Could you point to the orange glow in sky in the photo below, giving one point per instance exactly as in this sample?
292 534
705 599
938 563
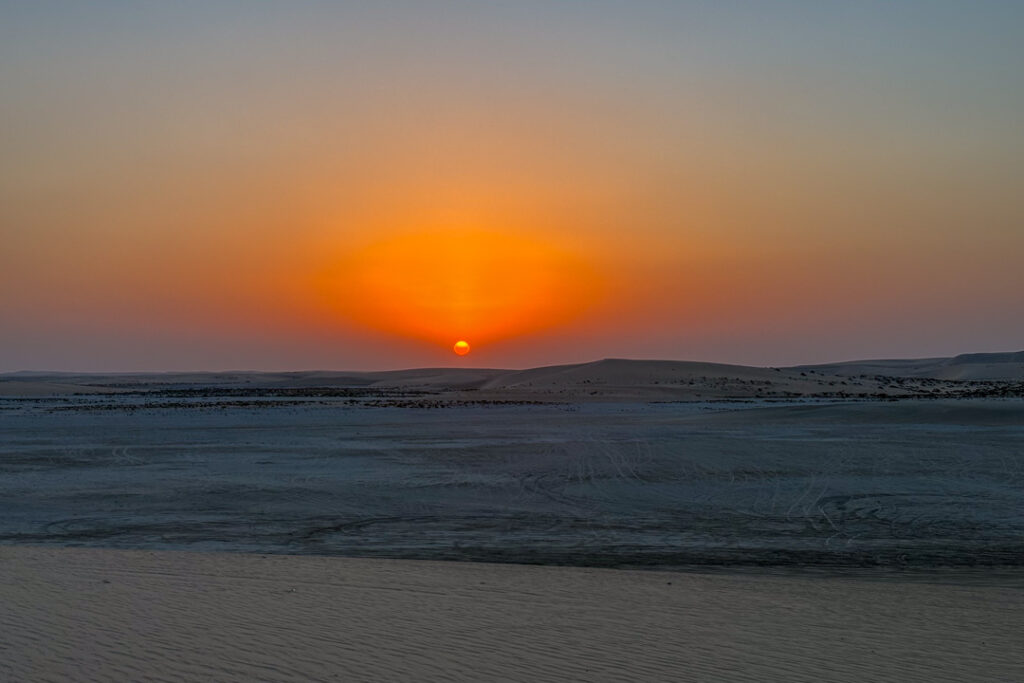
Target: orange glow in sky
354 186
463 283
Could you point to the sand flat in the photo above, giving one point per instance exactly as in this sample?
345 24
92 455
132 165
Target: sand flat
14 388
913 483
96 614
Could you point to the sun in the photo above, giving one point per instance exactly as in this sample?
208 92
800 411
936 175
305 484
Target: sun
462 281
461 347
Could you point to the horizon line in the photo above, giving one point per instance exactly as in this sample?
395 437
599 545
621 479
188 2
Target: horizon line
128 373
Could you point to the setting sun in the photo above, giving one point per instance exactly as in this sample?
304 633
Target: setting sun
490 284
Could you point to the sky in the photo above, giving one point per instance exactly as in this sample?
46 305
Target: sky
205 185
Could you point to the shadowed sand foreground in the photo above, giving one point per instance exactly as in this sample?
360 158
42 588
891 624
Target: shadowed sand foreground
88 614
915 483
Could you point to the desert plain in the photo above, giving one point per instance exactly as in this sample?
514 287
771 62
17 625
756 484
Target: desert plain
645 520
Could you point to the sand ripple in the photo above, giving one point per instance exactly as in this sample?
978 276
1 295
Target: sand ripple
103 615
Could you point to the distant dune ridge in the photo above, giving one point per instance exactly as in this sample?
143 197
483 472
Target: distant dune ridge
1008 367
607 379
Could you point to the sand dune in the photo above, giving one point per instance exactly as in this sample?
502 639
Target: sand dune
77 614
965 367
624 372
609 379
435 378
623 379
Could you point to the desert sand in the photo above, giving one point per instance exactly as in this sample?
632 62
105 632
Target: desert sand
609 379
85 614
858 526
965 367
911 483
